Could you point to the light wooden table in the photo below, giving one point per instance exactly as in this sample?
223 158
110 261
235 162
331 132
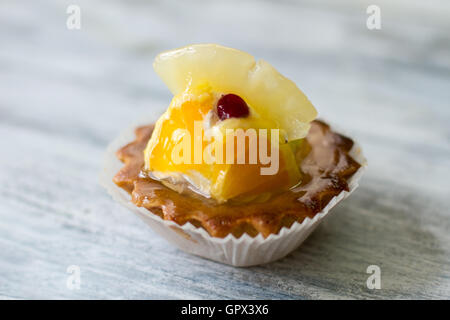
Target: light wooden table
65 94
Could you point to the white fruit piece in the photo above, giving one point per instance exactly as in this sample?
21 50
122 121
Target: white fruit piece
226 70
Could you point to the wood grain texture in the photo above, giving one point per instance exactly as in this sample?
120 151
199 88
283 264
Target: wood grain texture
65 94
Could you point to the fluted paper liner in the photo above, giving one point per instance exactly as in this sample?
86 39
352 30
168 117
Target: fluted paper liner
244 251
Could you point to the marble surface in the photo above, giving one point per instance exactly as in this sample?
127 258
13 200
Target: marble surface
64 94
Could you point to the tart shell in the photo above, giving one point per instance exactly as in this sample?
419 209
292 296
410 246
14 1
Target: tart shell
243 251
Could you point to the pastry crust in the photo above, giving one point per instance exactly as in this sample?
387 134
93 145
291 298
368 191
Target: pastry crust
324 161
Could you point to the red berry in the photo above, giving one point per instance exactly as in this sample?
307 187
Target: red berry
231 106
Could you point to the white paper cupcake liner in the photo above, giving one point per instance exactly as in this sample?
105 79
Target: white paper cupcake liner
245 251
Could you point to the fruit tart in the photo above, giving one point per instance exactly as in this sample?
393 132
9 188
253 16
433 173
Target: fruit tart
237 169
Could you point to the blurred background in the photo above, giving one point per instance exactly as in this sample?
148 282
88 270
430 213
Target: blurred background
65 94
390 84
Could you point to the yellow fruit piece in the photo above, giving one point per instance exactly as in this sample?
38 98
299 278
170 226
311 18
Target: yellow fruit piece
227 70
246 180
180 115
220 180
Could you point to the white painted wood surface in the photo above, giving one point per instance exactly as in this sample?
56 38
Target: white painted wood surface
65 94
